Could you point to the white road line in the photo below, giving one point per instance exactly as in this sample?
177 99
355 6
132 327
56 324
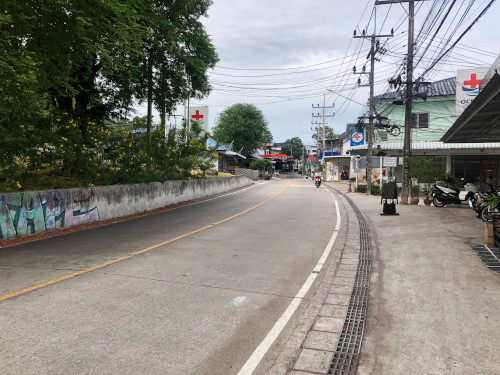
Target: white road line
491 252
254 360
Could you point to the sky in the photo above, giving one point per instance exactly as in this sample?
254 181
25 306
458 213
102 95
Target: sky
284 56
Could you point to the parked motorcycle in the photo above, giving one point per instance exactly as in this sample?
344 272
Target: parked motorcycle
317 181
443 196
482 211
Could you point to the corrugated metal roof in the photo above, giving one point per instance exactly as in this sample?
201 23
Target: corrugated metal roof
431 146
444 87
232 153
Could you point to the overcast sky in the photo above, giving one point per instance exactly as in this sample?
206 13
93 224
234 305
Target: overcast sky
284 55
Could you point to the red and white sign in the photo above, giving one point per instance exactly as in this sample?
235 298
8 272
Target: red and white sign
199 114
468 81
277 156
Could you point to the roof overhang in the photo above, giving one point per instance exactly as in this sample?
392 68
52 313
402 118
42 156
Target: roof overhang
480 121
437 147
230 153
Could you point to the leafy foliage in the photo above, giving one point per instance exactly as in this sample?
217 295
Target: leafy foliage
294 147
493 200
68 67
329 134
108 157
374 189
243 125
262 165
425 171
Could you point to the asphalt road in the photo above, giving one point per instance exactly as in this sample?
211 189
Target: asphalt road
199 304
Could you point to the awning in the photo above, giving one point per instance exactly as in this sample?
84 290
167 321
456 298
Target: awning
430 146
481 119
231 153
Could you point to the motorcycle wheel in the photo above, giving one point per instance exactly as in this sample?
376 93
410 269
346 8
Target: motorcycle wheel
487 215
483 214
437 202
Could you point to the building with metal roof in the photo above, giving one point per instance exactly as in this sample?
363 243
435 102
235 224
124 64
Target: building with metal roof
468 147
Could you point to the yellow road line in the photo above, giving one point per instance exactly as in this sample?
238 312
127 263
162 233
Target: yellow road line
66 277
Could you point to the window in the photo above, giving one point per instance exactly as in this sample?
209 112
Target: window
420 120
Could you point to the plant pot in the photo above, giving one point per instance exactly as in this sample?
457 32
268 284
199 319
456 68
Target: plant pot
427 202
414 201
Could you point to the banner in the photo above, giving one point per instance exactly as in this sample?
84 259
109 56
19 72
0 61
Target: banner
468 81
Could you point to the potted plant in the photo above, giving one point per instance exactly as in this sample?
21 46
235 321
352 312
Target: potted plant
426 172
415 191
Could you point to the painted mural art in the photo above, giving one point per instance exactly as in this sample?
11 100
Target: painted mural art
23 214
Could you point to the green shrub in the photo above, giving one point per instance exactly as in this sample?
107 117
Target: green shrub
69 155
262 165
375 189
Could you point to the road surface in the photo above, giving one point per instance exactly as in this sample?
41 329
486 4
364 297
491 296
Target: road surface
193 290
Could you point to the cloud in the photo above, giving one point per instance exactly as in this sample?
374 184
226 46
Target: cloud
254 36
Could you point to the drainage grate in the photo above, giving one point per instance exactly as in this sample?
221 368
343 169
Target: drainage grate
345 358
490 256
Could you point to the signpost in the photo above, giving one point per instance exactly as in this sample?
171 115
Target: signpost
199 114
390 162
356 158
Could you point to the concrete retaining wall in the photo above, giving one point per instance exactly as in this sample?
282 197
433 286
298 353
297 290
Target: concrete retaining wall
28 213
250 173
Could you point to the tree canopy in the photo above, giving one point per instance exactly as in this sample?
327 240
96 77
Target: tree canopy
93 58
74 65
294 147
329 134
244 126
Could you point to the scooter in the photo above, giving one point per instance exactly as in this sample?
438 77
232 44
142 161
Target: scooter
317 181
482 211
443 196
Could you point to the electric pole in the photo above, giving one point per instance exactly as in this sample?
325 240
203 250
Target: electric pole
405 188
323 115
375 47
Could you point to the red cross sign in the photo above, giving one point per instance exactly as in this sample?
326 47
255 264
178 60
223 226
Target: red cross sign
473 82
199 116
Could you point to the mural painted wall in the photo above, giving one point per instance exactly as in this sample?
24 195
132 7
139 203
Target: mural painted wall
23 214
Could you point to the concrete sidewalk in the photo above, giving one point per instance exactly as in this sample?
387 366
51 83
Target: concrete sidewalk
434 306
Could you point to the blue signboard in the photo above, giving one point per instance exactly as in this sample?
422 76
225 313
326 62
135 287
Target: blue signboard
357 138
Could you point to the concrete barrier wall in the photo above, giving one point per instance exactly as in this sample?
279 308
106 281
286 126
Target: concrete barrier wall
28 213
250 173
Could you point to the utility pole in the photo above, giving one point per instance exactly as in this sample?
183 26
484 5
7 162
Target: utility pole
323 115
369 137
405 188
317 134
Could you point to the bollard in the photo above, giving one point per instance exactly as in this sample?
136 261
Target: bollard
349 190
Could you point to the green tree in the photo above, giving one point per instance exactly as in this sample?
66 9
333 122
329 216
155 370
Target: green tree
94 57
329 134
294 147
262 165
243 125
178 53
73 65
20 103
